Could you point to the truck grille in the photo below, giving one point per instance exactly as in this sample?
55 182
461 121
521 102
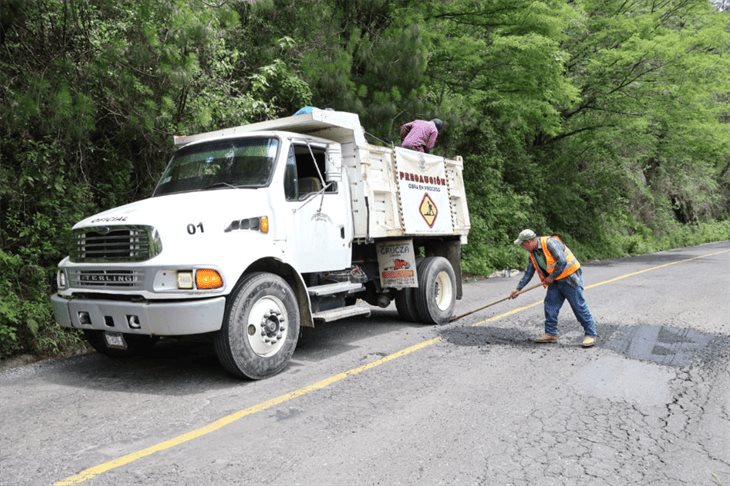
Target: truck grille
126 279
115 244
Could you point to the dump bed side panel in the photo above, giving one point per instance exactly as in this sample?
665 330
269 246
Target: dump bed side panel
358 190
457 197
371 171
378 171
399 192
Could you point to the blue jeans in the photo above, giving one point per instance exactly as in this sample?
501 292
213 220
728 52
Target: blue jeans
570 289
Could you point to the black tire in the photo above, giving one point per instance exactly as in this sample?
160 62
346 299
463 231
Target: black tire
405 303
260 327
136 344
436 292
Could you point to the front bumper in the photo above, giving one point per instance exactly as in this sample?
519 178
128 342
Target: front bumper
155 318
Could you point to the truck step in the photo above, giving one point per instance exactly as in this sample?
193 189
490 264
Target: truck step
341 313
335 288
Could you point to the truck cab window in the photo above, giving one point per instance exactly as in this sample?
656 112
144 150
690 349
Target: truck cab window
308 175
220 164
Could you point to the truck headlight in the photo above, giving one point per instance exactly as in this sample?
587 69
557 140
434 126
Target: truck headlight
61 279
200 278
185 279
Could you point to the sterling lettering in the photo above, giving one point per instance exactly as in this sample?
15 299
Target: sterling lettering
101 278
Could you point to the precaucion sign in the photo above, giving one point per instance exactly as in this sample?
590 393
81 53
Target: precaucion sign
397 262
423 191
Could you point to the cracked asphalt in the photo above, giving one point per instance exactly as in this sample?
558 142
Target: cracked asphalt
481 405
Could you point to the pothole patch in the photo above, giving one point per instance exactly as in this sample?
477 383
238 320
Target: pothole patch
664 345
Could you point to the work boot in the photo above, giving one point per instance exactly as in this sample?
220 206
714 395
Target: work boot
546 338
589 341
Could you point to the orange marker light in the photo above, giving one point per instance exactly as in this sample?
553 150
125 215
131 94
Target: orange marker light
264 225
207 278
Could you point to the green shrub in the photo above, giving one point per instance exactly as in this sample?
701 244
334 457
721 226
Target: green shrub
26 319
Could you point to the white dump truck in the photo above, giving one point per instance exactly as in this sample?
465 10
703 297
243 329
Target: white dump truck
255 231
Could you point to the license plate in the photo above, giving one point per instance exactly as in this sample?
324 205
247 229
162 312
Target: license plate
115 340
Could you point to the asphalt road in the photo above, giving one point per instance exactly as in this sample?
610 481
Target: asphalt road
472 402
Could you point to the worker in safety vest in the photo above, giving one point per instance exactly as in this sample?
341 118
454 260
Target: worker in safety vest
560 272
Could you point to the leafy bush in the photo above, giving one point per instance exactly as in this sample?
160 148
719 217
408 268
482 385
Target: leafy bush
26 320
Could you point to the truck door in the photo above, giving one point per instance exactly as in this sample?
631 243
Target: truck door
318 196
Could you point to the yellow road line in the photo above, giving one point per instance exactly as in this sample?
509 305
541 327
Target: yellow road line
598 284
665 265
91 472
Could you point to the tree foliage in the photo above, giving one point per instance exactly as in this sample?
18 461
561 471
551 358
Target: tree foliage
603 120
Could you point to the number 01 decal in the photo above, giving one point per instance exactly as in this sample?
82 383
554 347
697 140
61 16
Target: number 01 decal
193 228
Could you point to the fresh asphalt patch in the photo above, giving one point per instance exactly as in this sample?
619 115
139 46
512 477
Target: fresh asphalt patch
659 344
666 345
484 336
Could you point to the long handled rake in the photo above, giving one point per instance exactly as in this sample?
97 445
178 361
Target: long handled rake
495 303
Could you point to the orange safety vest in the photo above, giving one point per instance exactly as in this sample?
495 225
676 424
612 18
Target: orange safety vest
571 263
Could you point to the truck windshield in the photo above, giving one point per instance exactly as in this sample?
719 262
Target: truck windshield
243 162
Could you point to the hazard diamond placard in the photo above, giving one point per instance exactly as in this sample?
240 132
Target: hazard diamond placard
428 210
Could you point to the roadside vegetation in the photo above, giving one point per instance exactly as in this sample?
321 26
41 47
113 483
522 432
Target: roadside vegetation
605 121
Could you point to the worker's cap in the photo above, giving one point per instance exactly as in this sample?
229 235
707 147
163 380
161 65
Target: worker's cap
525 235
439 124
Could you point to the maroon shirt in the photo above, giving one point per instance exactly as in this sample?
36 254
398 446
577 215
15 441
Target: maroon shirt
418 135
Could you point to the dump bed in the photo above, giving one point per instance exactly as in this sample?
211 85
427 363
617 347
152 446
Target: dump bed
395 192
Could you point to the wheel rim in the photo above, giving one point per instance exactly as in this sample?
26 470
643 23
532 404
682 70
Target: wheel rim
443 291
267 326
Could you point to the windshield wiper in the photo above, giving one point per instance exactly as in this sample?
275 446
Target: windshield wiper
219 184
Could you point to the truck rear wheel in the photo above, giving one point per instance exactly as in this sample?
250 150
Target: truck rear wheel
405 303
436 293
260 327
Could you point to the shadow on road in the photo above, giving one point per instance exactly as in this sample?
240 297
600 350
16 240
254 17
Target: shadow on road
173 367
333 338
186 367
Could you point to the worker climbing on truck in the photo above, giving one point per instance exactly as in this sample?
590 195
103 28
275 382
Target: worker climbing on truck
420 135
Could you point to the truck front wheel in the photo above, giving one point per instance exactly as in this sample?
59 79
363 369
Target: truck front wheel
260 327
436 292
